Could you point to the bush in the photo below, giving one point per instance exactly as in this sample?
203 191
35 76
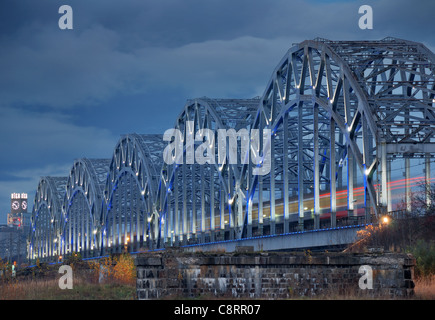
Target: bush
125 270
424 253
118 269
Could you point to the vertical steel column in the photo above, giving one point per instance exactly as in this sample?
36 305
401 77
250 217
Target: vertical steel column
133 211
82 214
260 198
249 217
231 204
384 176
389 203
88 236
48 238
239 218
140 225
70 231
184 228
407 160
251 195
222 206
176 220
76 231
366 141
116 212
203 209
116 222
119 218
316 172
192 224
212 204
149 216
332 175
251 184
407 184
285 175
260 217
427 180
301 188
127 210
350 183
340 168
169 220
272 180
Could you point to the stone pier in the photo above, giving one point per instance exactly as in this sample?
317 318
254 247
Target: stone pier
175 274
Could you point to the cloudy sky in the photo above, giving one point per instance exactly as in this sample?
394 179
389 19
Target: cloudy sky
129 66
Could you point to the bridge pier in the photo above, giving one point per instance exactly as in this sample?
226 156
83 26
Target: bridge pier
277 275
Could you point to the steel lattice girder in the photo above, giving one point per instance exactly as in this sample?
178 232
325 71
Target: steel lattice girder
199 198
330 102
332 107
46 217
83 205
130 191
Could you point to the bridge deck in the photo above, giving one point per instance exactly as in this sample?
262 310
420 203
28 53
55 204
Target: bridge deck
322 238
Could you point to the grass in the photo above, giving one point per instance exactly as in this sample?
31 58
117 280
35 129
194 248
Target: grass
82 290
42 282
425 288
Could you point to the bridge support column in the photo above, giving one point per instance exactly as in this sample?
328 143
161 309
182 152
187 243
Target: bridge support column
260 201
272 187
350 185
316 170
384 175
249 220
427 180
301 188
333 172
285 177
407 184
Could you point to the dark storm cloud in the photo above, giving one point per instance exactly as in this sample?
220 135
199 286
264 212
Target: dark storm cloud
135 45
60 90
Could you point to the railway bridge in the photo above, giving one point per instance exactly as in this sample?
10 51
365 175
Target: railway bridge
343 134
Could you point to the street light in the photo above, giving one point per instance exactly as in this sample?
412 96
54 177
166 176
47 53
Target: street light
126 244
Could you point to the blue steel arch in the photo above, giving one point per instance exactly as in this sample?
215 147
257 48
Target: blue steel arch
199 202
131 186
44 238
344 117
330 103
83 204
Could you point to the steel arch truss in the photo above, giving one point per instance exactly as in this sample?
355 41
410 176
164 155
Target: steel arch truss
130 192
334 107
343 121
202 200
44 238
83 205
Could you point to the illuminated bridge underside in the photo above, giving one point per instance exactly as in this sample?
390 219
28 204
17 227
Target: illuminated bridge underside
83 205
46 217
350 130
130 218
198 201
